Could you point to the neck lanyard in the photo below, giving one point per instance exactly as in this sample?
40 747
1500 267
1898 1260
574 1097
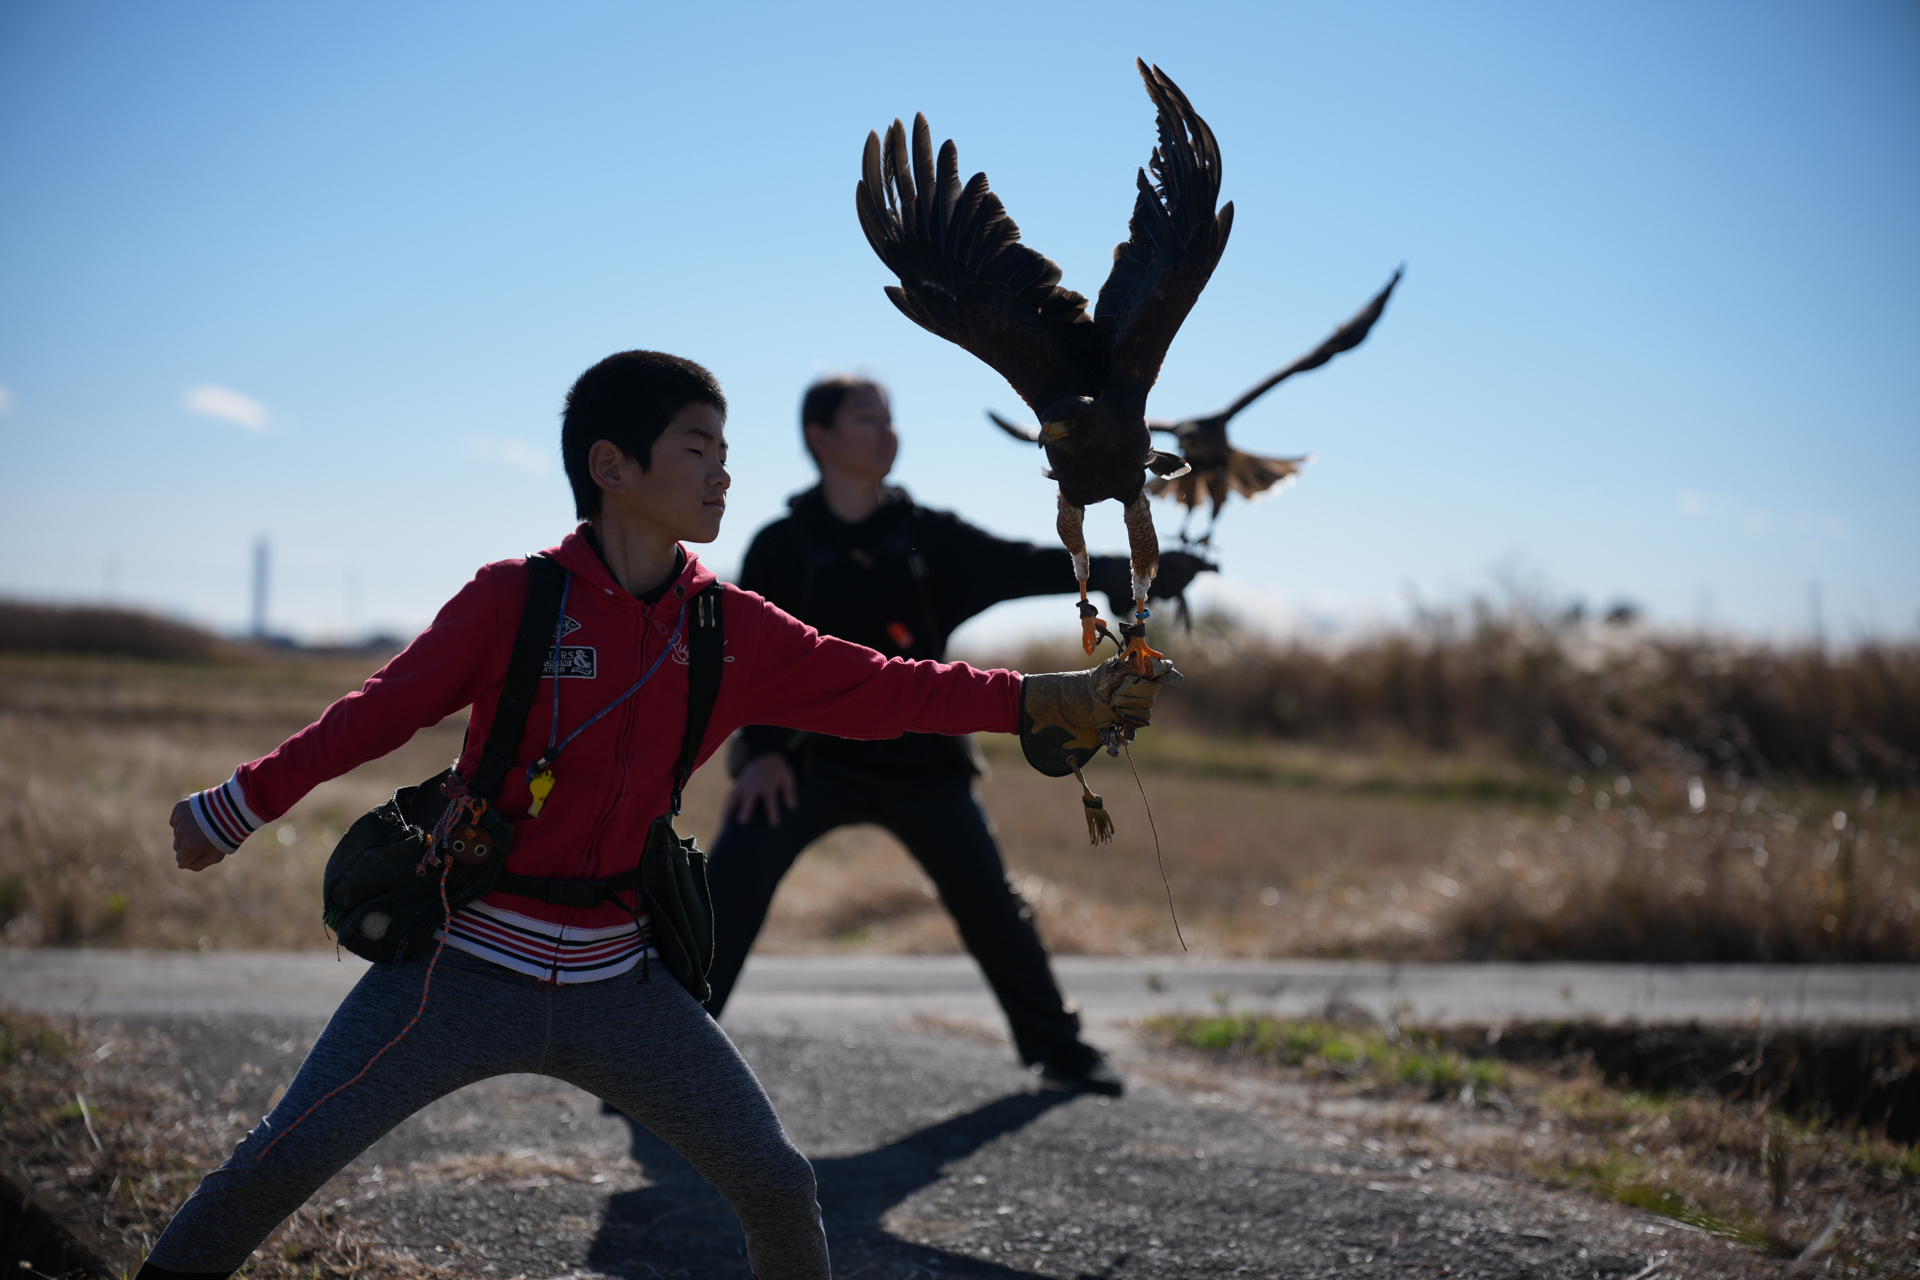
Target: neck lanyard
540 772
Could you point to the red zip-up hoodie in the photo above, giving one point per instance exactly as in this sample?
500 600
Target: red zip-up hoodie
617 776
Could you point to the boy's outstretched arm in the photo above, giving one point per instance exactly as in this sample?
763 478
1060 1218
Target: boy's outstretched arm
803 680
445 668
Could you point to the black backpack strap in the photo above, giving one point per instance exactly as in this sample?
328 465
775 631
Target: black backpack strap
546 582
706 645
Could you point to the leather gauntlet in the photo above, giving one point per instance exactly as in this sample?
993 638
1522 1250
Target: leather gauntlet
1067 716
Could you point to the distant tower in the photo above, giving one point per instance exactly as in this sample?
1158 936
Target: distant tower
260 587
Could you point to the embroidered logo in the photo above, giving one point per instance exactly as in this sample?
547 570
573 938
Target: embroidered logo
684 656
567 626
577 662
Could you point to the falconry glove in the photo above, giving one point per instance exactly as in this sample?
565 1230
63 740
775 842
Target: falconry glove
1067 716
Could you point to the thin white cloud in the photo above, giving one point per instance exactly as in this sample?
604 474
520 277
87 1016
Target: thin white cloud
1692 502
6 400
517 454
210 400
1759 521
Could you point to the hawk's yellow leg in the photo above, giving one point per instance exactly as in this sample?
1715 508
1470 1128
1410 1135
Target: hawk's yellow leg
1092 626
1143 545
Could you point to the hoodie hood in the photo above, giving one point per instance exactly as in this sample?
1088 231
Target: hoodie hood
576 554
811 506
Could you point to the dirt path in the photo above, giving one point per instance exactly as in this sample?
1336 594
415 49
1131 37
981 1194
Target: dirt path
799 990
935 1156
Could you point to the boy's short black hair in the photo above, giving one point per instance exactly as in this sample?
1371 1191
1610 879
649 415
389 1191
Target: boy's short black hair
824 398
628 399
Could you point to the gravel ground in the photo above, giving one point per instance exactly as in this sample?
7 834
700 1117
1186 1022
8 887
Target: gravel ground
937 1158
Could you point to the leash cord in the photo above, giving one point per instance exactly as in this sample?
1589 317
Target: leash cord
559 630
446 865
1155 828
553 752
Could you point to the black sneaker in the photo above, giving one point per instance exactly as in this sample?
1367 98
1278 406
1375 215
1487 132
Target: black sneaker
1084 1073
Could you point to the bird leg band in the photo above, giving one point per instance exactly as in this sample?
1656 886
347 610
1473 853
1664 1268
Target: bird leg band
1093 627
1139 656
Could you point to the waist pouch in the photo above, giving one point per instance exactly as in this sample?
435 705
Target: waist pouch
673 875
382 897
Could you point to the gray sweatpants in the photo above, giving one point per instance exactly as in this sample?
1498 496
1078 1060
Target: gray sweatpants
647 1048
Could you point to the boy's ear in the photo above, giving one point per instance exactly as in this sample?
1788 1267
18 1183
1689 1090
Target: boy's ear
607 463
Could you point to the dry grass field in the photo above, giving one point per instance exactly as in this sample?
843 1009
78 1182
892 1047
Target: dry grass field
1746 1169
1381 842
1269 848
112 1136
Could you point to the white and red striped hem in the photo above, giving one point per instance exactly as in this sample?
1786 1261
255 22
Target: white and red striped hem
556 952
223 814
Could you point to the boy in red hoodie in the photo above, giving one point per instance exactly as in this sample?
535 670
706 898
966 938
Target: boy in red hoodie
525 985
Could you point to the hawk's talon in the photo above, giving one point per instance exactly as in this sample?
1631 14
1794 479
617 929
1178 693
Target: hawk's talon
1093 627
1092 631
1139 656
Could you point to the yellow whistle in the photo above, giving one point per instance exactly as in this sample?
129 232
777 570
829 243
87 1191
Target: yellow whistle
540 785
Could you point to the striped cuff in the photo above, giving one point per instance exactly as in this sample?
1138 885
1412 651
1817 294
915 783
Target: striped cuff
223 815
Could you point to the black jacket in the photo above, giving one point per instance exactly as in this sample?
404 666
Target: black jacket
901 581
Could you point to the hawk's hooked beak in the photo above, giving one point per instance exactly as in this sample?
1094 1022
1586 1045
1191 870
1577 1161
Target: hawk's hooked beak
1055 430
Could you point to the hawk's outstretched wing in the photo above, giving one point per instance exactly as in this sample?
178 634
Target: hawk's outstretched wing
965 276
1254 477
1345 338
1173 243
1031 435
1247 474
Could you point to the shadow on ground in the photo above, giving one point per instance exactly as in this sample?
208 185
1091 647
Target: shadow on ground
680 1226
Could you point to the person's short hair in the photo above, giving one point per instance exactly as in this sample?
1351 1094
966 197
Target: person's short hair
628 399
823 401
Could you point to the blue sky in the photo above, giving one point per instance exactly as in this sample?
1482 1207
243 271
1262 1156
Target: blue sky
323 273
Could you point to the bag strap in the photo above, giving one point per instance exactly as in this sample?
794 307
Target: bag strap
538 624
706 645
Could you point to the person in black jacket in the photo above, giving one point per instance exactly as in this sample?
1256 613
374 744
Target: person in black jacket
859 559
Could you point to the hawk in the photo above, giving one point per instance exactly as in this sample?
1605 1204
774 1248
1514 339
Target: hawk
965 276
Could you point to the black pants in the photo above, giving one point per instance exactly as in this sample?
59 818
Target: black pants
941 823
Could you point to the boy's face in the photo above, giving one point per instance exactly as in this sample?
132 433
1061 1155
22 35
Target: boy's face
683 494
860 444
